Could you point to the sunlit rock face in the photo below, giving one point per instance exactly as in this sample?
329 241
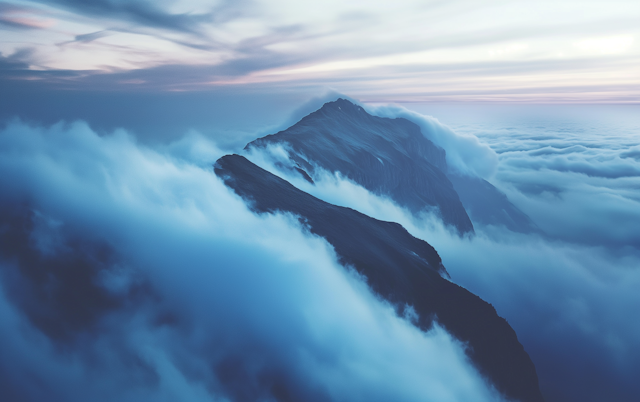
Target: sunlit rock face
400 268
386 156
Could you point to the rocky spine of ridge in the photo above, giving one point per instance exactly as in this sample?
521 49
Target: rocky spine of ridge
400 268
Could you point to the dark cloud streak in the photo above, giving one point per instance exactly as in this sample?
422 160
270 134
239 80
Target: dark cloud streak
138 11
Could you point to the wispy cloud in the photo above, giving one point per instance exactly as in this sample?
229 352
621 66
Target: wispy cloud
140 12
19 17
413 51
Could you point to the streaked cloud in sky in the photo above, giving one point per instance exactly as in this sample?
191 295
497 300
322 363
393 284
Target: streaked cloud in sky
546 51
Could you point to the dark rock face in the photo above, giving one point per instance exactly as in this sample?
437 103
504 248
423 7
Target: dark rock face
386 156
487 205
401 269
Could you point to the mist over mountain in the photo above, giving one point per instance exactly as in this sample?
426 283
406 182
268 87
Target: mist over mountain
385 156
393 158
402 269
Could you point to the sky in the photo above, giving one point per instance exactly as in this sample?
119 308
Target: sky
404 51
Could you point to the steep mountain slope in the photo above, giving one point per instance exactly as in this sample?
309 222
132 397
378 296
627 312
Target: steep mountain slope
400 268
486 205
386 156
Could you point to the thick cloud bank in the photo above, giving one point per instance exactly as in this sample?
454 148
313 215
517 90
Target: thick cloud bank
134 274
571 294
465 153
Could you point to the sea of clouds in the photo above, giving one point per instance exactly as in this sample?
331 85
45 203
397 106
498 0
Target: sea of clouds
131 272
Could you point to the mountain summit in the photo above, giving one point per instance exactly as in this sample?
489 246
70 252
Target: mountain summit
393 158
388 157
400 268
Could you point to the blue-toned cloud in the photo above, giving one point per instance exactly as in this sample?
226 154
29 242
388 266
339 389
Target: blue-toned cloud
632 153
578 180
134 274
145 13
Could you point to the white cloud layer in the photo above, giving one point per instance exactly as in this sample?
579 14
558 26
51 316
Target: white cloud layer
212 301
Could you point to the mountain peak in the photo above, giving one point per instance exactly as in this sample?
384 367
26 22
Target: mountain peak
342 105
388 157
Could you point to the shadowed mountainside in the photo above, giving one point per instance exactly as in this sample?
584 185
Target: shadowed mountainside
385 156
486 205
392 157
400 268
